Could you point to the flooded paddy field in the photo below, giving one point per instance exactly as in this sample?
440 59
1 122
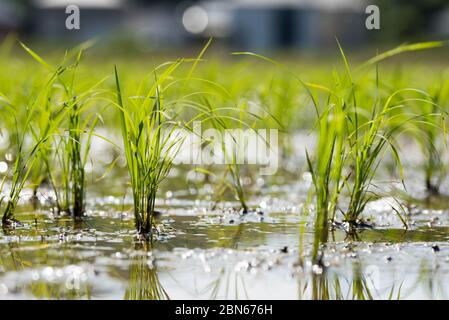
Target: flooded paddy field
126 180
220 253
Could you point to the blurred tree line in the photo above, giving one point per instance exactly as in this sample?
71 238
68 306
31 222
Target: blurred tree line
405 20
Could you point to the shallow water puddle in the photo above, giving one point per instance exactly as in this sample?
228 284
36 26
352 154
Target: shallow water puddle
224 256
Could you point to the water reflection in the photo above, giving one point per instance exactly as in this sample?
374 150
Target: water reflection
204 257
64 282
144 281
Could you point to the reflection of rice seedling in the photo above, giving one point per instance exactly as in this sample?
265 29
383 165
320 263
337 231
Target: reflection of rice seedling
432 281
67 287
144 280
326 287
229 284
359 284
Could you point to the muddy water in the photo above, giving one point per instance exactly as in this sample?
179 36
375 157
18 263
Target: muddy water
201 254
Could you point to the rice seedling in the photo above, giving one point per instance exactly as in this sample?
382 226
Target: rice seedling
51 120
369 141
149 150
231 177
229 180
237 126
25 157
229 116
326 170
432 141
2 196
18 113
352 138
242 143
64 118
359 136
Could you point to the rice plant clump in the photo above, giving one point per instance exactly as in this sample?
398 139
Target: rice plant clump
63 117
354 132
23 163
150 145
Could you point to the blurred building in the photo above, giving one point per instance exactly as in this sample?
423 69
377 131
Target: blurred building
441 24
299 23
99 18
244 24
10 19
